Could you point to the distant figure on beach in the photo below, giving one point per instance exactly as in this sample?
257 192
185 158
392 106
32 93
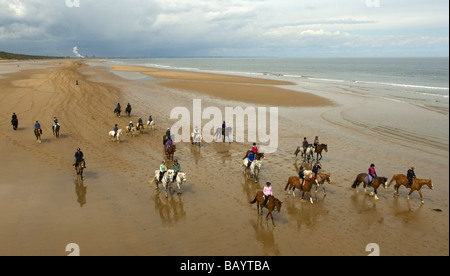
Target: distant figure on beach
128 110
14 121
224 127
77 82
79 157
116 128
316 142
38 126
410 175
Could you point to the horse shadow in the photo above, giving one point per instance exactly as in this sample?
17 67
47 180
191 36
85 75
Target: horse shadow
264 235
81 191
171 210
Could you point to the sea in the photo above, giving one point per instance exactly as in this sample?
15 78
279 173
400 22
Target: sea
420 81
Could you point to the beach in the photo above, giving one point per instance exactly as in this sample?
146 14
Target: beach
116 210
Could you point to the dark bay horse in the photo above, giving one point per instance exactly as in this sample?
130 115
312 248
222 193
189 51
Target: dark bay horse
56 129
15 123
294 182
170 151
258 156
117 111
319 150
400 179
271 204
377 181
128 110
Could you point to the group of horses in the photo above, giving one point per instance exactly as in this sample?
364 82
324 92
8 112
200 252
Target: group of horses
167 180
307 153
38 132
130 131
399 179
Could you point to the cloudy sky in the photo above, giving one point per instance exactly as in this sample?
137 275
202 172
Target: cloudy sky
188 28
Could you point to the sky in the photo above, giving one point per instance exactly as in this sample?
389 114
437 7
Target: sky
226 28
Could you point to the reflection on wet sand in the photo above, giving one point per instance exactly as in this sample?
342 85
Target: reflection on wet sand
81 191
171 210
264 235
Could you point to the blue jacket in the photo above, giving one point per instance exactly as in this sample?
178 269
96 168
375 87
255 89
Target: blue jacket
251 157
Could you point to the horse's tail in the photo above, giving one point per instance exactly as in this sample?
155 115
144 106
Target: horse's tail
254 201
287 185
390 182
297 151
355 183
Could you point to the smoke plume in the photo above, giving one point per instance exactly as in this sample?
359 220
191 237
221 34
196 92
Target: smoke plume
75 51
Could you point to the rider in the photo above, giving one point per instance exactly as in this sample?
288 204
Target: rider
118 106
139 124
150 119
316 142
169 144
162 170
14 117
116 128
255 148
410 175
79 157
267 193
38 126
176 169
305 145
196 132
130 125
372 174
316 169
129 107
301 176
55 123
251 158
168 134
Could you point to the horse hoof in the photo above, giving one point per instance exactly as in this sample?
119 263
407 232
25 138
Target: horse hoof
423 202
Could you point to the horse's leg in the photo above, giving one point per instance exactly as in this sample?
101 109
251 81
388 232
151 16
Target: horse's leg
421 198
410 192
310 197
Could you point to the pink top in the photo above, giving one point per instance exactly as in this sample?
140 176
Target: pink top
372 171
268 191
255 149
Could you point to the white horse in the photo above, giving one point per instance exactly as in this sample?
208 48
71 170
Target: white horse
117 138
198 139
166 180
151 124
307 153
131 130
181 177
254 169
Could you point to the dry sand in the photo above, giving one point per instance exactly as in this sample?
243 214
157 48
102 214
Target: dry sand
116 211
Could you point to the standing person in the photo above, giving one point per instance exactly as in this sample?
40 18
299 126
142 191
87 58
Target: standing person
267 193
410 175
176 168
224 127
162 170
79 157
316 169
372 174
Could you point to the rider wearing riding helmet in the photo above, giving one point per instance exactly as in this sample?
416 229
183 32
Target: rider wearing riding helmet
251 158
176 168
139 124
79 157
301 176
162 170
267 193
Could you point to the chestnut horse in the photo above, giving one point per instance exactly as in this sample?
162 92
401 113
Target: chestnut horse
400 179
79 169
294 182
322 177
170 151
258 155
377 181
271 204
319 149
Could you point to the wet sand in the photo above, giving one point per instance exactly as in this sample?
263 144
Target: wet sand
116 211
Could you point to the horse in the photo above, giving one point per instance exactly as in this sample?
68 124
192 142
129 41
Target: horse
117 111
254 169
307 153
181 177
377 181
79 169
130 130
322 178
151 124
319 149
401 179
294 182
37 133
140 128
272 203
55 129
167 178
170 151
128 111
219 133
198 139
119 133
15 123
258 155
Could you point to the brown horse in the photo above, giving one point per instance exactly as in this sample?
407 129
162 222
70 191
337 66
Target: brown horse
79 169
377 181
272 203
170 152
400 179
258 155
294 182
319 149
140 128
37 133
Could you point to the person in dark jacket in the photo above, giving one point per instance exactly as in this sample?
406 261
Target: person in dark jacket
79 157
410 175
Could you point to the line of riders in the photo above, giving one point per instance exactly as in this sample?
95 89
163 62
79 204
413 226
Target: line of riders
410 175
37 125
